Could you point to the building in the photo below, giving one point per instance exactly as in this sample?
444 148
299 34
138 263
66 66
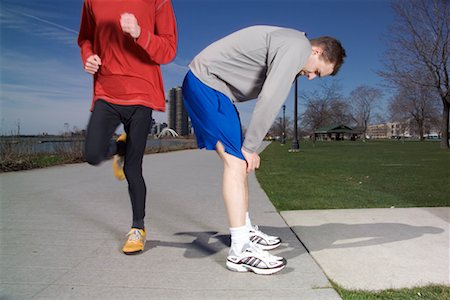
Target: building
336 133
405 129
177 117
399 129
378 131
390 130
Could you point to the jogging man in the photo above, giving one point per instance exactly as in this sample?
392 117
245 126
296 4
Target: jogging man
122 45
258 62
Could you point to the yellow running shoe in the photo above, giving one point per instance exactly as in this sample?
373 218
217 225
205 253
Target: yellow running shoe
135 242
118 160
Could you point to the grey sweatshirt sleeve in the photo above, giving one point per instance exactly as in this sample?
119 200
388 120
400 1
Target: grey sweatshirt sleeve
287 55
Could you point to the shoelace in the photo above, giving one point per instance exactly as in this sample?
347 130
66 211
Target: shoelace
255 249
134 236
256 229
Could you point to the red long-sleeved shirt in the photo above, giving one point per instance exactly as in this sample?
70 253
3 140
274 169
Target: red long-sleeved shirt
130 73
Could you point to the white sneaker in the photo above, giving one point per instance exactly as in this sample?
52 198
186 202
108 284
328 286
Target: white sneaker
264 241
253 259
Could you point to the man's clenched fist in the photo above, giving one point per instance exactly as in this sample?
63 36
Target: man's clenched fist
129 25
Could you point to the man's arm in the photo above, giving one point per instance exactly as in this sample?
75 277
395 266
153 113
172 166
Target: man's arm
161 43
86 33
286 62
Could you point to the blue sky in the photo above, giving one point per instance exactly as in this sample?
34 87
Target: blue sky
43 85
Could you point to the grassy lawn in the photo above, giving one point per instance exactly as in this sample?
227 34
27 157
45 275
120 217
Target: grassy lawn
435 292
348 174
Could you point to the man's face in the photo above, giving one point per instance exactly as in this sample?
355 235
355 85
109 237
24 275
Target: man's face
315 66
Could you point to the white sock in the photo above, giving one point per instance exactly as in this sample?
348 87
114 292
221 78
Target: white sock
239 237
248 223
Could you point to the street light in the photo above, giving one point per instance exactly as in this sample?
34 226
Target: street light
283 133
295 146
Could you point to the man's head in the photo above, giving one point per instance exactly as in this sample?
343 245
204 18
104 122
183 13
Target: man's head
326 58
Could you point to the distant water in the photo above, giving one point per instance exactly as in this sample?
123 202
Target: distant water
34 145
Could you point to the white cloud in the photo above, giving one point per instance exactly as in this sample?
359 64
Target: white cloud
36 22
43 93
38 90
37 115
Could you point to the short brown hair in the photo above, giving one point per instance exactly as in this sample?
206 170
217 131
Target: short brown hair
333 51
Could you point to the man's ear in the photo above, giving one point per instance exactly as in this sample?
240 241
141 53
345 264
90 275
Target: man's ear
317 50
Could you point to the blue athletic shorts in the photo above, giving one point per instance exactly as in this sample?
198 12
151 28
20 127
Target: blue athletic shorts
213 116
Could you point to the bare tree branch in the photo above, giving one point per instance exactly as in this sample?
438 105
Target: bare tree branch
418 51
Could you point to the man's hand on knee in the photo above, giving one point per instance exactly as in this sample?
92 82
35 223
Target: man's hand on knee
252 159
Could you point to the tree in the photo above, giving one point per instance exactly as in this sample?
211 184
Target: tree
325 108
363 100
277 128
316 113
419 49
416 103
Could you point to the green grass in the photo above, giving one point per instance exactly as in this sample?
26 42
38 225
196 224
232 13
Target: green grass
348 174
432 292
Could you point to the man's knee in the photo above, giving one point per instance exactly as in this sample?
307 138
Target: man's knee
93 158
234 163
238 165
230 160
132 169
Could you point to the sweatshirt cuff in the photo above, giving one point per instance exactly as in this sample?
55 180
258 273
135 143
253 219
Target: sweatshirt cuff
144 39
86 56
248 149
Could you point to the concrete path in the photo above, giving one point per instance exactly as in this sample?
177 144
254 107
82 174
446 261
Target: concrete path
375 249
62 228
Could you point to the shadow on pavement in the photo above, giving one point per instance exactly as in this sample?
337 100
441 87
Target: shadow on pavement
208 243
338 235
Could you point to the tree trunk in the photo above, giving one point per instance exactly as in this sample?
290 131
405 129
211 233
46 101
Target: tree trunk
364 131
445 123
420 123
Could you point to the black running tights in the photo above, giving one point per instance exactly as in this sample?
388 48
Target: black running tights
136 119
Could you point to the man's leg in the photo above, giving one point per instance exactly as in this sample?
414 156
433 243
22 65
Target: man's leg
243 256
137 129
216 123
235 193
102 124
234 187
235 197
263 240
137 120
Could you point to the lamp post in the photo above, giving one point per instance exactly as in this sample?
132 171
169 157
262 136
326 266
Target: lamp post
283 133
295 146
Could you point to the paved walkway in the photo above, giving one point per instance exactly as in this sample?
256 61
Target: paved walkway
61 230
376 249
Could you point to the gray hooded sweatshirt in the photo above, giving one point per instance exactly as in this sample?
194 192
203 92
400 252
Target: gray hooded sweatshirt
258 62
